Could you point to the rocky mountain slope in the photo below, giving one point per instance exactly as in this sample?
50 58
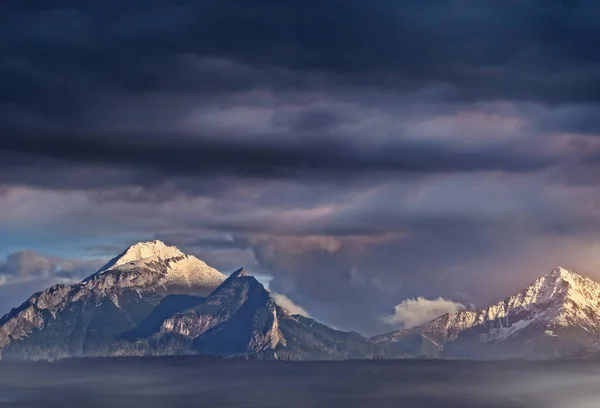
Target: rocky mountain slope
83 318
155 300
241 318
557 316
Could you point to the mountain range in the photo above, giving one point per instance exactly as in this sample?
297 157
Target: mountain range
155 300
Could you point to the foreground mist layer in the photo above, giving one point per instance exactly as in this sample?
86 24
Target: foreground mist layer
193 382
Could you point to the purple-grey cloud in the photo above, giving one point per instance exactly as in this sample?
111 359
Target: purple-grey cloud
25 272
359 153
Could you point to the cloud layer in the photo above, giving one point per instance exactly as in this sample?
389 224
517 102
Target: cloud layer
414 312
359 153
26 272
289 306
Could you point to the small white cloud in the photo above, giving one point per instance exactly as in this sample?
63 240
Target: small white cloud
415 312
288 305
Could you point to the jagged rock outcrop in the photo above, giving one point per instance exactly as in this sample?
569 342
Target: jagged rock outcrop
241 318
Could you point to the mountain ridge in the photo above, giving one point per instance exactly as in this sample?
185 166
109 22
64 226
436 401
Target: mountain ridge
559 305
153 299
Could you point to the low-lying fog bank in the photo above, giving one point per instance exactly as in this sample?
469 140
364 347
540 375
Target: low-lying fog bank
192 382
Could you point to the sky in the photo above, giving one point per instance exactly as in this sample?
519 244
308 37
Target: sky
378 162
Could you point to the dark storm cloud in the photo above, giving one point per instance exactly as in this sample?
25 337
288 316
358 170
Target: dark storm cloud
353 286
272 159
271 133
317 120
534 50
58 59
583 119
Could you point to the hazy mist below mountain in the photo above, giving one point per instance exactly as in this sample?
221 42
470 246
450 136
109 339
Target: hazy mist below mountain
194 382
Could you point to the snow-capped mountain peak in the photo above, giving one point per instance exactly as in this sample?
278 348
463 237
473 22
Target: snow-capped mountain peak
157 263
547 294
560 272
563 285
143 251
550 287
559 297
144 274
560 277
561 306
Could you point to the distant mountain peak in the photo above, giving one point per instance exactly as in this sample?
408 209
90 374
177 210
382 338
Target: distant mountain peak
239 273
552 308
142 275
154 249
152 263
560 274
560 284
